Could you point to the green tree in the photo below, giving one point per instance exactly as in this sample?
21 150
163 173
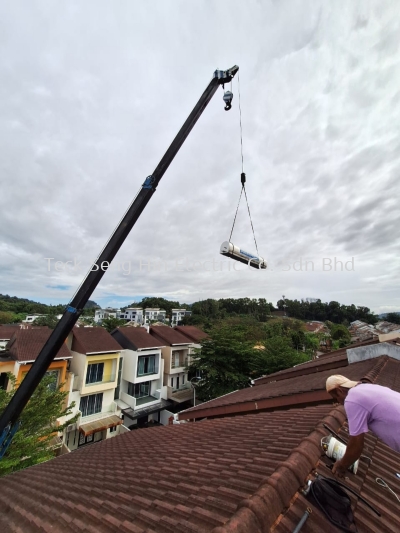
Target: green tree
50 321
32 442
278 355
6 317
342 334
393 317
111 323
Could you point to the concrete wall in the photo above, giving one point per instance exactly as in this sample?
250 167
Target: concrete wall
362 353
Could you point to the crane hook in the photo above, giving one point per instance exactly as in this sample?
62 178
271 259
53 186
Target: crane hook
228 95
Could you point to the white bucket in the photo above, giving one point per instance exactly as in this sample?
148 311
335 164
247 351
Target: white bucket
336 450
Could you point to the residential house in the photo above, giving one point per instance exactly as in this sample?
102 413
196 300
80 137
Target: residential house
94 373
101 314
177 316
142 396
132 314
241 469
154 314
176 359
196 335
31 318
26 344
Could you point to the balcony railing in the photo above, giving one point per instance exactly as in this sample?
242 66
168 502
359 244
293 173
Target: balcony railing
106 379
106 411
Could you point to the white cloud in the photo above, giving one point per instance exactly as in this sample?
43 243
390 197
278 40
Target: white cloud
93 94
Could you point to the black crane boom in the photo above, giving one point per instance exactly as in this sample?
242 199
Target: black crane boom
10 416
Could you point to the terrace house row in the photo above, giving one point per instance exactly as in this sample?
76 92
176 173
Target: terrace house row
118 381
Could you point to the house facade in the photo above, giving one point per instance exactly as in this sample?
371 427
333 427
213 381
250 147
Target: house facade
142 394
152 314
176 355
132 314
93 383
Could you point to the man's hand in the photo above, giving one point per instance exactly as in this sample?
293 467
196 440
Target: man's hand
353 452
339 470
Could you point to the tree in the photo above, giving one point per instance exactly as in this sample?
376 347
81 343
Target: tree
394 318
50 321
111 323
6 317
32 442
278 355
342 334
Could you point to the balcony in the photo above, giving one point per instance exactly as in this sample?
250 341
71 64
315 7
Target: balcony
107 410
183 394
145 399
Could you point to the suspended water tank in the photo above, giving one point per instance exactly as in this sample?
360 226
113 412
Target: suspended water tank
235 252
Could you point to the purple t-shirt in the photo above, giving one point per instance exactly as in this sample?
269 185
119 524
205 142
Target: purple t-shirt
375 408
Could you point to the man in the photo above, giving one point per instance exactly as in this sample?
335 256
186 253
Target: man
368 407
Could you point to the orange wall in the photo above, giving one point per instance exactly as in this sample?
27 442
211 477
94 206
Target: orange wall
55 365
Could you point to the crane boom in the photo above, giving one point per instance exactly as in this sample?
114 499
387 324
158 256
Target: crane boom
11 414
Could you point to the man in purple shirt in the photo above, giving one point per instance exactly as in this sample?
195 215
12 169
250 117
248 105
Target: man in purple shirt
368 407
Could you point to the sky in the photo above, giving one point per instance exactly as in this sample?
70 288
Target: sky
92 93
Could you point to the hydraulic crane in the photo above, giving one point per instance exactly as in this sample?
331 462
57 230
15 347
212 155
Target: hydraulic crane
9 419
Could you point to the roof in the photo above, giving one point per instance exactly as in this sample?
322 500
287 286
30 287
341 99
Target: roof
234 474
193 333
7 332
134 484
27 344
93 340
99 425
292 391
135 338
169 335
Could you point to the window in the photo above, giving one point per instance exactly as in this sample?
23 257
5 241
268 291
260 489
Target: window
91 404
183 379
147 365
175 359
85 440
139 390
3 380
114 428
53 374
172 382
95 373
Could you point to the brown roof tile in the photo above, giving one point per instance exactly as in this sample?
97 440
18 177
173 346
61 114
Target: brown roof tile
169 336
285 393
196 334
7 332
192 485
93 340
135 338
239 474
27 344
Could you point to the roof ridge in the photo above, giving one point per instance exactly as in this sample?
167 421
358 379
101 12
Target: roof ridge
260 511
374 373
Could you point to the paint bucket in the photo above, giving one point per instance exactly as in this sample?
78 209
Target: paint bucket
336 450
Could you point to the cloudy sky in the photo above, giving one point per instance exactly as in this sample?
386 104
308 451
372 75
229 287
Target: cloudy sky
92 93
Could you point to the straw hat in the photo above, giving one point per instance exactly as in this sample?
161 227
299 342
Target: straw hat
333 382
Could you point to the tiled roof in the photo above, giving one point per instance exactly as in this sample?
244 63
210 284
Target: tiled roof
93 340
238 474
27 344
293 391
7 332
134 484
192 332
169 336
135 338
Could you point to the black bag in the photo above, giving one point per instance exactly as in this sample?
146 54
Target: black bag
334 502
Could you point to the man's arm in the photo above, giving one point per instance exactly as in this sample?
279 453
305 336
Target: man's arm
355 447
